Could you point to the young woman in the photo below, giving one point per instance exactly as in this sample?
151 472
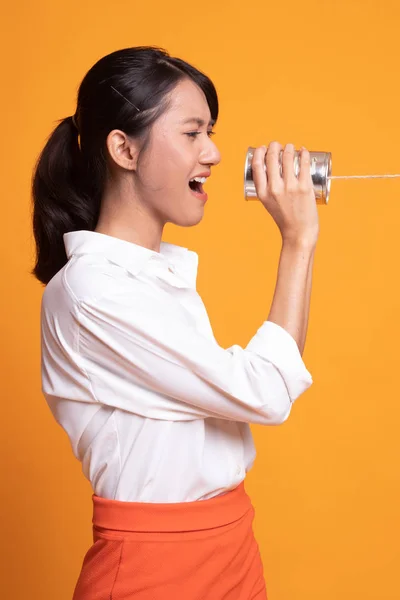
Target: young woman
157 412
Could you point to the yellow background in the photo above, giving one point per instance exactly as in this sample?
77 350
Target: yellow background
326 484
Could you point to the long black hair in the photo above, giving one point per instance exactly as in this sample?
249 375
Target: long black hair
124 90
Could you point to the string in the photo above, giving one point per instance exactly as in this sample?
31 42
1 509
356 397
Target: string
363 176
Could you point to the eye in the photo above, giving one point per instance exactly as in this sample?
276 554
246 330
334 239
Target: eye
194 134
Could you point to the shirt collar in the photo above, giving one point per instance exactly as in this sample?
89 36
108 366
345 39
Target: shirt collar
132 257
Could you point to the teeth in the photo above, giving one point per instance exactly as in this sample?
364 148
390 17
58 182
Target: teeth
199 179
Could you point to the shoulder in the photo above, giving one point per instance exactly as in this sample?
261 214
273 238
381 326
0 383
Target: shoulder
86 278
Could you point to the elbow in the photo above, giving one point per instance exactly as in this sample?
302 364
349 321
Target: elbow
275 388
275 415
277 410
283 415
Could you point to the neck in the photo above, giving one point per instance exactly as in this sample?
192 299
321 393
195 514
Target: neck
124 217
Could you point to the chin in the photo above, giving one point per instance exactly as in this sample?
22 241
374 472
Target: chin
188 220
193 222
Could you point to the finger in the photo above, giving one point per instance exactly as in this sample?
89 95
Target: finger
288 164
258 171
305 167
272 161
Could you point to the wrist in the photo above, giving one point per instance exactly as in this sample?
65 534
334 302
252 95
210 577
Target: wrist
304 243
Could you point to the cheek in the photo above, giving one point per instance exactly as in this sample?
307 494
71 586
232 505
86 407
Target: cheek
168 165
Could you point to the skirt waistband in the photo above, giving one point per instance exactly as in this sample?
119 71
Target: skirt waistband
171 517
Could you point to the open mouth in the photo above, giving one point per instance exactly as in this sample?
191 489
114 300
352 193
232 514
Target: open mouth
196 184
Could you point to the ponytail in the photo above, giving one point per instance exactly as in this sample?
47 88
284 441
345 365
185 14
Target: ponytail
62 198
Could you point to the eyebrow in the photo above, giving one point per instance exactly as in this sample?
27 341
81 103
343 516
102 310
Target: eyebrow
200 122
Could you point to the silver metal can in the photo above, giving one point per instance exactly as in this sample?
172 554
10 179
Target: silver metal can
321 169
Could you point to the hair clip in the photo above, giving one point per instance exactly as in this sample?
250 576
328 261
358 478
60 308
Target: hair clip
122 96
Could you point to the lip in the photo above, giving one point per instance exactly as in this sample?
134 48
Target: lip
203 197
205 174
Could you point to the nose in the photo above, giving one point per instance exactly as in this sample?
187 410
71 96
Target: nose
210 155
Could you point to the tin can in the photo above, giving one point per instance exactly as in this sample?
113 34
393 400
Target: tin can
321 169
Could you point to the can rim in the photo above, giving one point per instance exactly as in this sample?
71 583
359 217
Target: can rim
328 180
247 169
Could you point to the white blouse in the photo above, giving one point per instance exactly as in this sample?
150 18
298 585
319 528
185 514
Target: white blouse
154 408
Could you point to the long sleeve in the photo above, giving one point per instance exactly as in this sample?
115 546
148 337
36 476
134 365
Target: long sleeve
144 354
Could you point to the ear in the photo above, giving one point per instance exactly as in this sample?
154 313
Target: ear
123 150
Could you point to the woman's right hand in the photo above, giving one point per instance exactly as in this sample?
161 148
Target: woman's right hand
290 200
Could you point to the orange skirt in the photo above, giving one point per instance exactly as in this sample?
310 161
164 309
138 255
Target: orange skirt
203 550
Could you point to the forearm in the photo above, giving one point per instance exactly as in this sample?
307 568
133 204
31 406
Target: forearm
291 302
307 304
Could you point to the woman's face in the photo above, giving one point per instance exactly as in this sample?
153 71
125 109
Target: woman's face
180 148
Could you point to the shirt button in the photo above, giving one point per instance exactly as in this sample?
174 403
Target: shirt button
239 470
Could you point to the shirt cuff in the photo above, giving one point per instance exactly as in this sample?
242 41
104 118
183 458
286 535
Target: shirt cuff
276 345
